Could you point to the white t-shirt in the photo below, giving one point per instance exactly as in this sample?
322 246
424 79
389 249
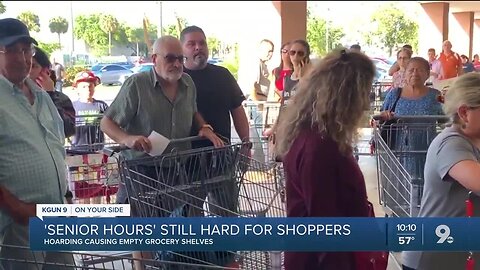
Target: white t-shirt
435 66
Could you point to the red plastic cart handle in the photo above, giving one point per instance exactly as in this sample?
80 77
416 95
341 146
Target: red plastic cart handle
469 208
470 263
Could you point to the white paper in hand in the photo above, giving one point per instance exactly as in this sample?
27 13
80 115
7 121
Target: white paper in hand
159 143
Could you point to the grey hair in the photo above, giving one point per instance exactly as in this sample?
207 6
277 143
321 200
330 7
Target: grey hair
465 91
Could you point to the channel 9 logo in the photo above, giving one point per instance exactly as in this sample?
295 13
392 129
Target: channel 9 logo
443 232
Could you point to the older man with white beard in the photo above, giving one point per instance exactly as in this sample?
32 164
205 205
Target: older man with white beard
162 100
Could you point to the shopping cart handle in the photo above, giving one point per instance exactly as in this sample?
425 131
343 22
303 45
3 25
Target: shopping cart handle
440 118
377 117
187 139
75 152
110 150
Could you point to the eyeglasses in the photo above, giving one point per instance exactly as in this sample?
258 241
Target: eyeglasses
171 58
284 51
29 52
299 53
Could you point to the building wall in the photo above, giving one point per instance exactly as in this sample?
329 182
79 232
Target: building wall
433 27
278 21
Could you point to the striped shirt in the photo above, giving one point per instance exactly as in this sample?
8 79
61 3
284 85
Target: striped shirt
32 160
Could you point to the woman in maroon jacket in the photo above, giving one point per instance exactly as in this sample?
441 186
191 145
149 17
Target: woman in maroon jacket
317 132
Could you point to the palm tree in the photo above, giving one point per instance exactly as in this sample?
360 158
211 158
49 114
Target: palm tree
31 20
109 24
58 25
3 8
134 35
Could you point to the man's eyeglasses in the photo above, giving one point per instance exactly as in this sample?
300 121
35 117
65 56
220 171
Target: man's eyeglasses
284 51
299 53
29 52
171 58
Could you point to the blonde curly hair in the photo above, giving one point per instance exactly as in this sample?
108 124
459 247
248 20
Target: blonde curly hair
332 98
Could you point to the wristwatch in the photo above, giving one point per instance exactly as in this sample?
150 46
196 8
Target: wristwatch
207 126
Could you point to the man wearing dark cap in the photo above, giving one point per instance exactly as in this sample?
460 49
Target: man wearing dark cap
32 163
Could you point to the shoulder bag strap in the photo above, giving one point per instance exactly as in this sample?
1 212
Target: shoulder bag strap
392 109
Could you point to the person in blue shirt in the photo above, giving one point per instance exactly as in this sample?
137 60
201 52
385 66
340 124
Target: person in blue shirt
467 65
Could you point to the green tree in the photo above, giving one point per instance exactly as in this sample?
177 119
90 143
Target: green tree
49 48
317 35
109 24
152 32
119 36
232 64
31 20
214 46
394 28
135 36
87 28
171 30
175 29
3 8
58 25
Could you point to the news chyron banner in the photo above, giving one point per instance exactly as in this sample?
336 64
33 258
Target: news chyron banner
109 227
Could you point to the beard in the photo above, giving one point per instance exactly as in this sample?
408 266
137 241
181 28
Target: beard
174 75
200 59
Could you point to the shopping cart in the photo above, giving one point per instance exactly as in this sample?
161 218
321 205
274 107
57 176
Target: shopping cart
401 154
263 146
377 95
88 135
205 183
92 176
87 261
261 116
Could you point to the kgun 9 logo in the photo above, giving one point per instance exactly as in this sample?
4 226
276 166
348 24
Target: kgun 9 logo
443 232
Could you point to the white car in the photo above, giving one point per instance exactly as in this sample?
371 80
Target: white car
111 73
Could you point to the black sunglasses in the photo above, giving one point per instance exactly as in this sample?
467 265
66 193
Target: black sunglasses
300 53
171 58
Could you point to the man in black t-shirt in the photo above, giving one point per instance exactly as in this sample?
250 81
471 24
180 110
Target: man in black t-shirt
218 94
